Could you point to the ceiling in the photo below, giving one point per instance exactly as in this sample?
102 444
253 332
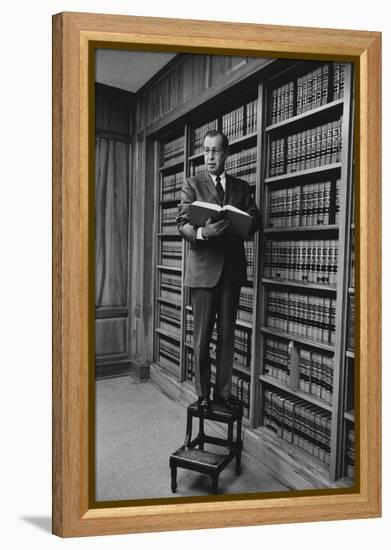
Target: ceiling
128 70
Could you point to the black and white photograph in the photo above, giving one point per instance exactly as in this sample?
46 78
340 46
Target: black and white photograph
224 276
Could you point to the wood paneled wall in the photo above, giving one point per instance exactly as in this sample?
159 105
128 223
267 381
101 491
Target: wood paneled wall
189 77
113 110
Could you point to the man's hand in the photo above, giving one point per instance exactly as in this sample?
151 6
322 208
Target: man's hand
214 229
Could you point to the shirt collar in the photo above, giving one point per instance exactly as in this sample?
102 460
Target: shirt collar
222 179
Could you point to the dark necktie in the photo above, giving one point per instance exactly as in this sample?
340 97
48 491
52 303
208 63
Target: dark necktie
220 189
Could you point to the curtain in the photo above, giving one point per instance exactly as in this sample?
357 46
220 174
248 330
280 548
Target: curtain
111 222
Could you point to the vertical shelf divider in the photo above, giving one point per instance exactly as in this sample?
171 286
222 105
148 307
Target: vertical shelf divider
184 291
157 223
336 458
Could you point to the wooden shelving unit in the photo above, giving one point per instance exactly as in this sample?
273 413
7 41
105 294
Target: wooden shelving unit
308 155
169 255
290 138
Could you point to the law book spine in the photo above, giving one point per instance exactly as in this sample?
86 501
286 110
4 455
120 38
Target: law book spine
299 104
294 153
325 84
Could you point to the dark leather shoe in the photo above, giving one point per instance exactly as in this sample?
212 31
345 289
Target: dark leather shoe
203 404
228 403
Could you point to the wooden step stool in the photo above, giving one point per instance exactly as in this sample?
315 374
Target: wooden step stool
200 460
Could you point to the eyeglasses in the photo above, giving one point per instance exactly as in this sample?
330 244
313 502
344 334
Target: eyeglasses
214 150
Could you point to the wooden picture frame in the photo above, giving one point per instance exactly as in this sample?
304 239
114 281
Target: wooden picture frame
73 35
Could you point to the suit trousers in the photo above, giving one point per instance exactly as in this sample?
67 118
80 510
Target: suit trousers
217 304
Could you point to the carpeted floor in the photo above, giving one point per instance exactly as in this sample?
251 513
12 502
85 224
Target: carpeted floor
137 428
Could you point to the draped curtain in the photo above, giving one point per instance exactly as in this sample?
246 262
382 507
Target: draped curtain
111 222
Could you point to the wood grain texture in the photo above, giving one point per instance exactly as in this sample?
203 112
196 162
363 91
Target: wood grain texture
57 273
110 337
72 239
369 261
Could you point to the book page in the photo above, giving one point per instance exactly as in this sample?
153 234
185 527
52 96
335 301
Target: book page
209 205
234 209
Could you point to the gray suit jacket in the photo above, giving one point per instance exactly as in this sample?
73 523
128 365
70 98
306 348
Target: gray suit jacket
206 259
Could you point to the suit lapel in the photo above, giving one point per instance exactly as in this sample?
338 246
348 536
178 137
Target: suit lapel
210 186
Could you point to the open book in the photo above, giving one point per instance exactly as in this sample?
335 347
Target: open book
200 211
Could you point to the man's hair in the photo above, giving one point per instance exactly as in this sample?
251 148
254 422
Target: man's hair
215 133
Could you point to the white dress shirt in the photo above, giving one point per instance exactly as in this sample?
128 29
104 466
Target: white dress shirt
222 181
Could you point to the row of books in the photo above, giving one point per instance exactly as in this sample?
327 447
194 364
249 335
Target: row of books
319 146
168 219
196 168
171 287
349 453
303 315
316 374
315 369
282 102
351 322
171 253
249 251
338 84
305 205
313 89
172 185
170 318
241 121
173 151
299 423
314 261
232 123
277 361
198 135
242 347
242 342
246 301
243 165
240 387
235 124
307 92
252 115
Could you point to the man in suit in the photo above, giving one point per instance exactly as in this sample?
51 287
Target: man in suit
215 268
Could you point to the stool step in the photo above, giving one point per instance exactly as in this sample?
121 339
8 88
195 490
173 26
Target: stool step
196 457
217 412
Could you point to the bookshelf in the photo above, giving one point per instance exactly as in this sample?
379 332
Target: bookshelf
169 283
289 126
306 185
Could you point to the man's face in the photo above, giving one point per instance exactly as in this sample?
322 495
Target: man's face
214 155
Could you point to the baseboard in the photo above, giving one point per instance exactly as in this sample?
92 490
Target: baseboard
112 369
